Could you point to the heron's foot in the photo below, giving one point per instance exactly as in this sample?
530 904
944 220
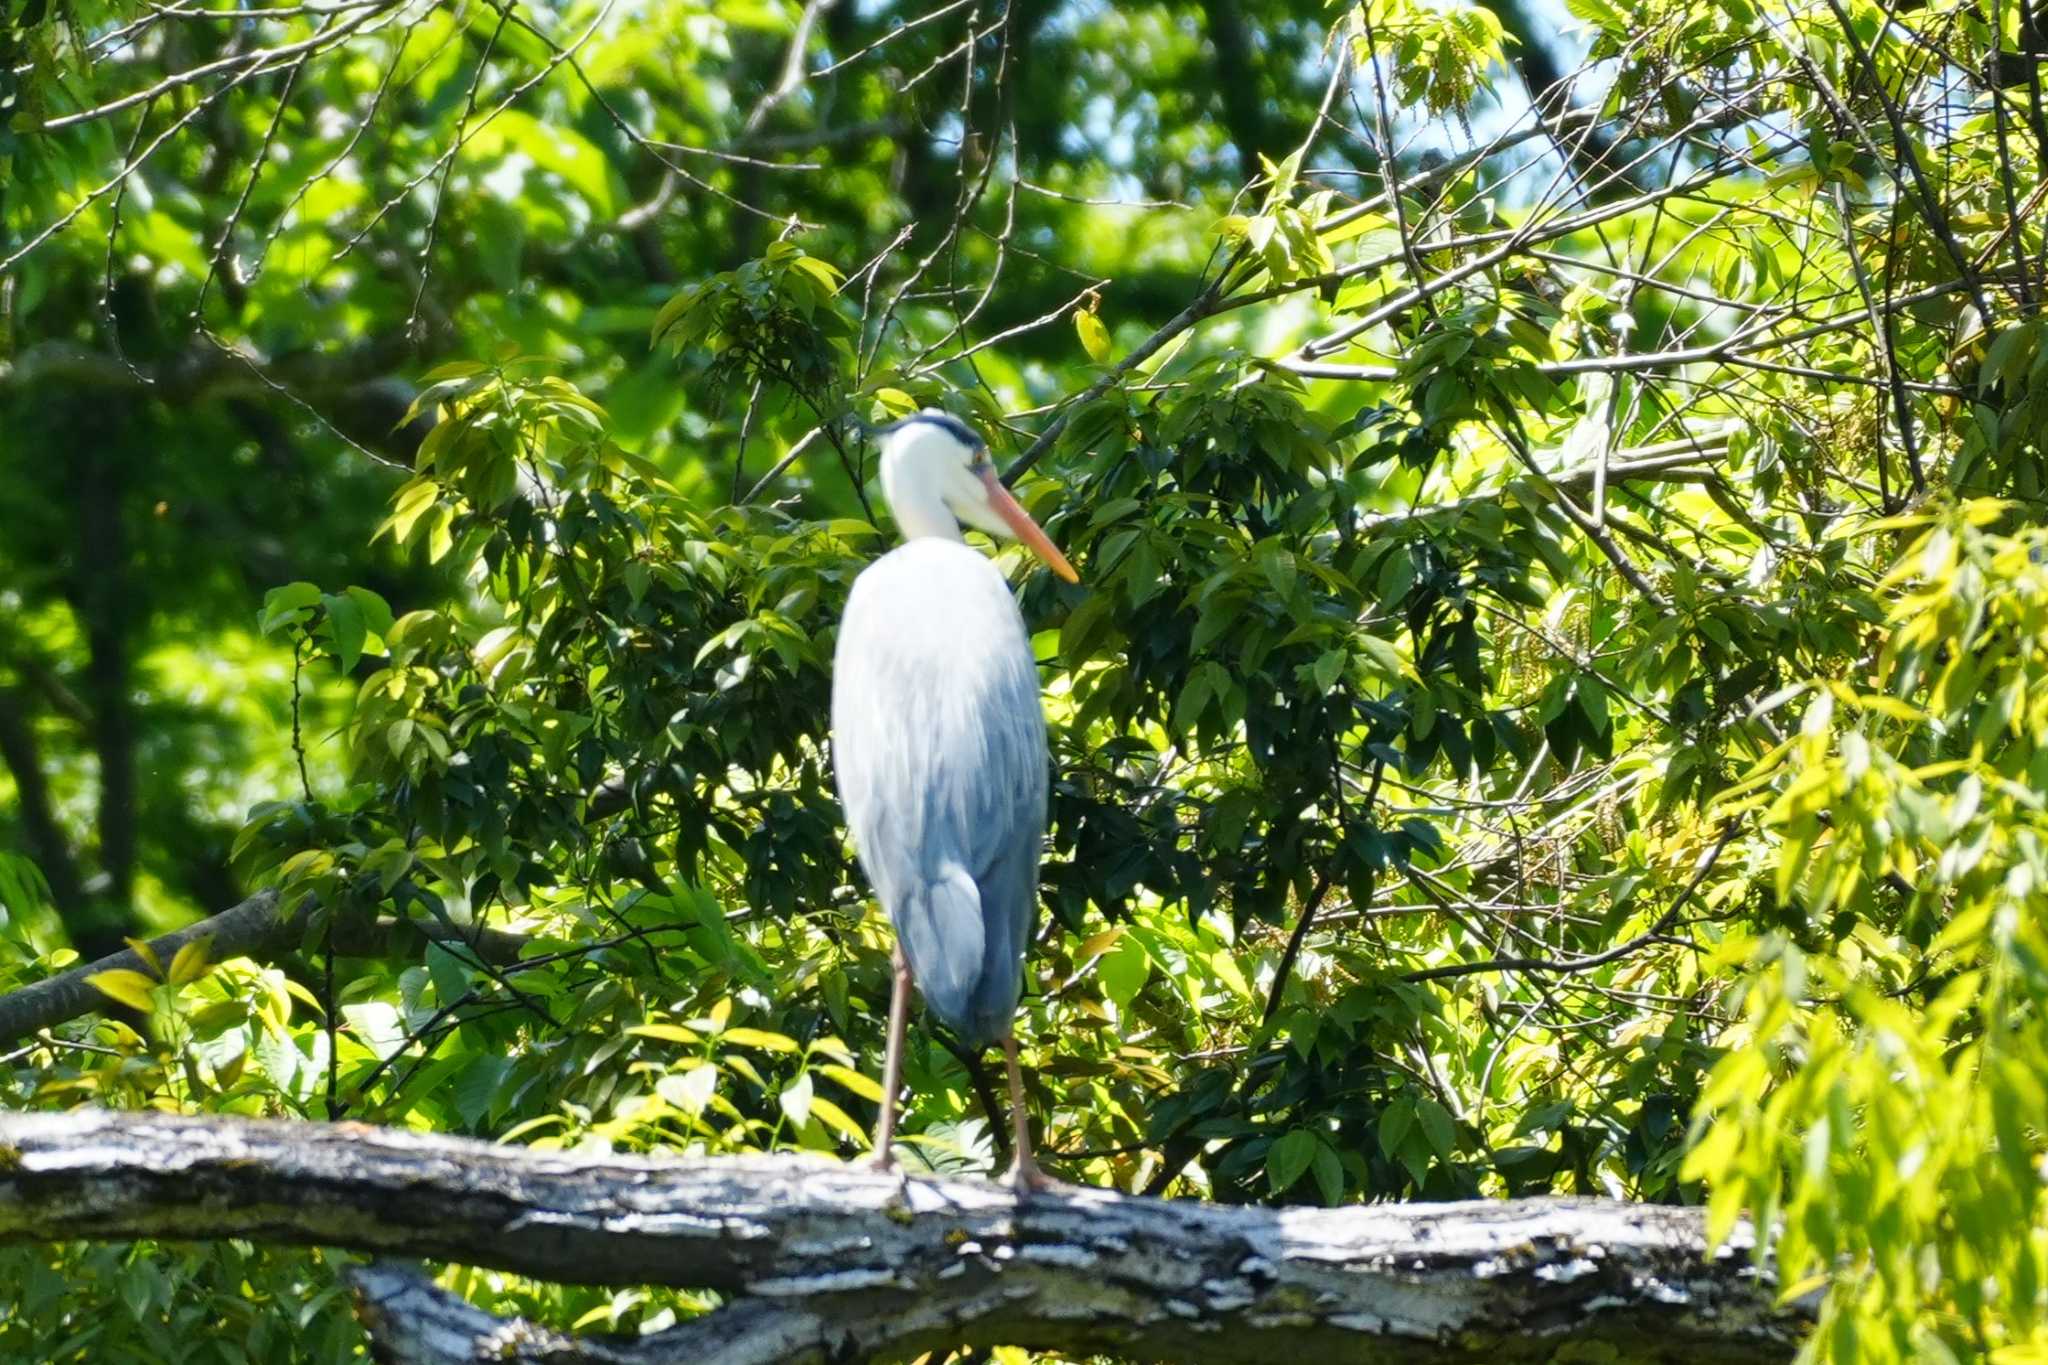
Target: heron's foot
897 1207
1027 1178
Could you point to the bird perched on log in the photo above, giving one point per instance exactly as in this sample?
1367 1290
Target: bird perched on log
939 747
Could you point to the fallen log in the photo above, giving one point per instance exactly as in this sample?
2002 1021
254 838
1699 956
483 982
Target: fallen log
824 1262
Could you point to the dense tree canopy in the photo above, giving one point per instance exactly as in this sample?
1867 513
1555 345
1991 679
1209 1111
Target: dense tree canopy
1557 699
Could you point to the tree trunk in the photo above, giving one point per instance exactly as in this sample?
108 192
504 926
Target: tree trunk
1238 86
39 829
101 596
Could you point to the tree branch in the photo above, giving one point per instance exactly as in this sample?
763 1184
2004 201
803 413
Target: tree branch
822 1261
69 994
1203 305
354 392
252 929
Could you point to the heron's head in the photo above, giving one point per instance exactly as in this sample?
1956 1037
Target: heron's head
933 457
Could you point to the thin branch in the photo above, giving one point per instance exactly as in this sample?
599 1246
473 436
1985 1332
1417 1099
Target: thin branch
1565 966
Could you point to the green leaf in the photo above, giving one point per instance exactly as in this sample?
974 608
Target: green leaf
1288 1159
144 950
477 1088
1329 1172
1396 578
440 532
1437 1126
451 975
1084 627
1395 1121
347 628
673 311
1384 657
379 1026
795 1100
376 611
824 272
454 369
2007 348
1123 971
285 605
1276 561
408 505
1600 13
1328 668
1210 682
22 887
1089 427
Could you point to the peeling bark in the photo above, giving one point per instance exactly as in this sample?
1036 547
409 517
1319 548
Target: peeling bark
827 1262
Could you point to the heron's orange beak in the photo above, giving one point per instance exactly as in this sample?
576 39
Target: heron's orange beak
1019 521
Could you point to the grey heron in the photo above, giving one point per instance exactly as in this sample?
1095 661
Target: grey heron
939 748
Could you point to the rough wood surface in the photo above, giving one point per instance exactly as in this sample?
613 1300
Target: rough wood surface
826 1262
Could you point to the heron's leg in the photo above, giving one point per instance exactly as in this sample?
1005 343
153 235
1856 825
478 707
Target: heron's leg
892 1060
1024 1173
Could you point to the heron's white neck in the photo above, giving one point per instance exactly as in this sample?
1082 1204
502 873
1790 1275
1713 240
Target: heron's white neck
919 509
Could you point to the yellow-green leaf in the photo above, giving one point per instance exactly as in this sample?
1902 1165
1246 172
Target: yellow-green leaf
191 961
895 402
141 948
668 1033
829 1046
864 1086
691 1091
1094 336
130 988
833 1117
1100 943
760 1038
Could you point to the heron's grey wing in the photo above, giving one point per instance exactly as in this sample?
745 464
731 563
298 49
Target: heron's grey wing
1007 837
940 753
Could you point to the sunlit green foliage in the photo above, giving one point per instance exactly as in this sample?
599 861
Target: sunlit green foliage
1556 700
1902 1115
